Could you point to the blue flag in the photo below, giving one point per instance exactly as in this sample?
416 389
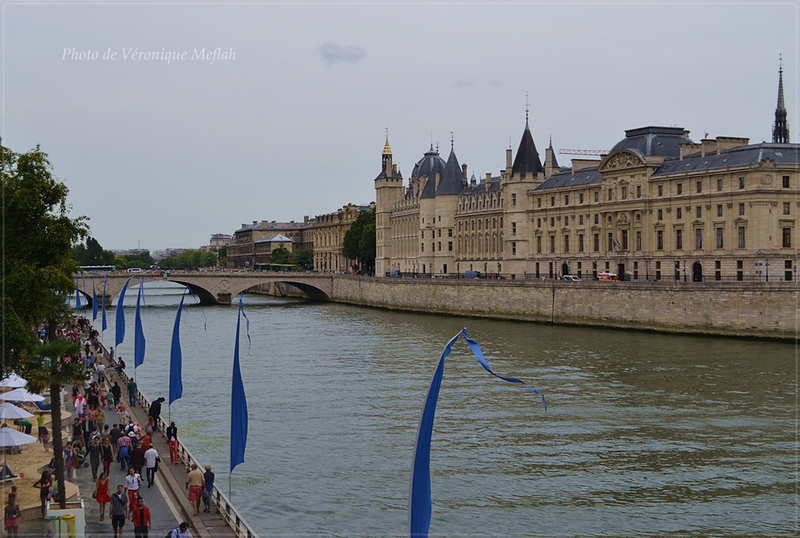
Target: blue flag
238 402
83 277
120 318
77 294
176 359
94 302
138 332
419 498
105 322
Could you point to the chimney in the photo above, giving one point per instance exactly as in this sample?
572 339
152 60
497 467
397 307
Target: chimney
394 169
464 170
688 148
488 179
508 160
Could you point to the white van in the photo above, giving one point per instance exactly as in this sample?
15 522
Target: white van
134 269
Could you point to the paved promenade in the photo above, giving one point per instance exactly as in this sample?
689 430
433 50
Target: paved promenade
167 499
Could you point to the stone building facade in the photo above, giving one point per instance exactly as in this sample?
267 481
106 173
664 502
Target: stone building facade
328 237
657 206
252 243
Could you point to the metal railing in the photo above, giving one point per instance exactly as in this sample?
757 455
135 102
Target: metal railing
224 506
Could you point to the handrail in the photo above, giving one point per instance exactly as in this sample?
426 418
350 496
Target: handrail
224 506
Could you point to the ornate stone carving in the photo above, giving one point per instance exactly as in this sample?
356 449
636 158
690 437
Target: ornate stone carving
621 159
766 179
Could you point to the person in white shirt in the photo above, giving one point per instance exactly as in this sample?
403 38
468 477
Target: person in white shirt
181 531
132 483
151 460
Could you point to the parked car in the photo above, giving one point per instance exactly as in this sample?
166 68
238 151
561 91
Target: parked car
474 275
571 278
607 277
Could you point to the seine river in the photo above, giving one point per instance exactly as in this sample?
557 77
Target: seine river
645 434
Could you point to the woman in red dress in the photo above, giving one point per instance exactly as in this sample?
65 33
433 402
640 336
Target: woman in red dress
101 494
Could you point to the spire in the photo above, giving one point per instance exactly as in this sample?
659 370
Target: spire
386 149
780 130
527 160
526 110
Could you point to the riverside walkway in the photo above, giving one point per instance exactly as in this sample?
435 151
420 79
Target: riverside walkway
167 499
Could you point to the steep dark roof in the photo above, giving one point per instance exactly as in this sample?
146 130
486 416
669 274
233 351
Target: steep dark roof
452 181
527 159
663 141
566 178
428 167
480 187
780 154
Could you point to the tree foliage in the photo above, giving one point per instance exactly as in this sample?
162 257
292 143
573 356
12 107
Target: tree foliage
38 268
92 253
280 255
359 241
190 258
303 257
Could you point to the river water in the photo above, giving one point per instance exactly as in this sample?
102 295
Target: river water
645 433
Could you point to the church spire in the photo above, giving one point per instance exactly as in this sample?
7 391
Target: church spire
780 130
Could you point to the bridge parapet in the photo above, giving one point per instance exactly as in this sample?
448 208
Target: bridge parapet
211 288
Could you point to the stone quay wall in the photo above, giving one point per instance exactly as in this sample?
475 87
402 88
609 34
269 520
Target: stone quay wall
758 310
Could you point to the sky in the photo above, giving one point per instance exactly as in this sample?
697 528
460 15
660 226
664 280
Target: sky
162 153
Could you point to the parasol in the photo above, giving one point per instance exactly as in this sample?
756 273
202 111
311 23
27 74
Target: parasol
21 395
12 412
13 381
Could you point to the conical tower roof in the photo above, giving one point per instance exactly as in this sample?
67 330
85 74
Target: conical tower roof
527 160
453 178
780 130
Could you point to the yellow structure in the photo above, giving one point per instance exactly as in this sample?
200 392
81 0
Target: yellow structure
657 206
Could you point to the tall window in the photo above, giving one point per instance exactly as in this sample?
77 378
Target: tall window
552 201
638 240
624 239
785 208
580 220
596 242
624 193
580 242
678 213
741 209
787 238
539 202
638 191
741 182
566 220
660 214
741 237
661 190
580 198
552 243
596 196
698 239
679 239
699 212
680 188
513 199
513 248
659 239
539 244
566 199
513 228
699 186
720 238
596 219
719 184
610 242
785 182
566 243
538 223
719 210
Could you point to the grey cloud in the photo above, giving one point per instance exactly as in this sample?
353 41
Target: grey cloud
334 54
496 83
463 83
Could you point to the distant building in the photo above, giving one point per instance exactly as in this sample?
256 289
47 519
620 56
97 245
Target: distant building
251 243
217 241
657 206
328 236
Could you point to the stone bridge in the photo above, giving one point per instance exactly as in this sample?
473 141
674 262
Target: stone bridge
210 288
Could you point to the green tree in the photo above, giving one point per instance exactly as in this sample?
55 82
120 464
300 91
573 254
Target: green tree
92 253
37 268
359 241
51 366
37 276
303 257
280 255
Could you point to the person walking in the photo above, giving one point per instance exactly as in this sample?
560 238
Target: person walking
132 392
172 437
140 516
118 511
208 490
155 410
107 455
70 462
181 531
44 484
117 392
137 459
101 494
13 514
195 483
94 455
132 483
151 460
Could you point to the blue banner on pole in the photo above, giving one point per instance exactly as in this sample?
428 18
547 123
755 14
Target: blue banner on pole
176 358
119 337
419 499
94 302
138 336
238 401
77 294
105 321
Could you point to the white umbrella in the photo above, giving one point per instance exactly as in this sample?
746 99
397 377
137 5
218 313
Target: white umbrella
13 381
11 411
11 437
21 395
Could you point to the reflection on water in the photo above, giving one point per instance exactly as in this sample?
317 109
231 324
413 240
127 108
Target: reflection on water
645 433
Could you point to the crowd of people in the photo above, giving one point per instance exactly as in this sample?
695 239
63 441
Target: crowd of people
124 441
